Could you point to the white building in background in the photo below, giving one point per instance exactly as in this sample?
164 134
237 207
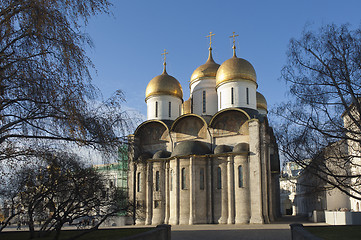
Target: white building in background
354 151
288 186
210 159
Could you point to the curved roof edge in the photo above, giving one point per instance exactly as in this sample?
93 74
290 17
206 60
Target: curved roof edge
184 116
150 121
226 110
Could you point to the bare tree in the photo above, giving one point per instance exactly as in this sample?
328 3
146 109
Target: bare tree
45 88
323 73
60 189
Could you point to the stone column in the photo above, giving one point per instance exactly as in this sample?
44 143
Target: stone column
209 191
191 191
255 169
176 188
167 202
230 183
149 192
270 187
224 202
264 176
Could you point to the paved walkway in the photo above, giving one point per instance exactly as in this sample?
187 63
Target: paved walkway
278 230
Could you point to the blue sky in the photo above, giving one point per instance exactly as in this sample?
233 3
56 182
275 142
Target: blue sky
129 43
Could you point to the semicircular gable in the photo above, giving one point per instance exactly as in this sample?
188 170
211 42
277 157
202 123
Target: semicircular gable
230 121
152 132
189 126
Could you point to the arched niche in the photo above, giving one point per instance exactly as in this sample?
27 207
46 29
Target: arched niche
152 132
189 126
232 121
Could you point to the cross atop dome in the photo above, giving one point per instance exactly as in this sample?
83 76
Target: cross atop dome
234 43
164 60
210 39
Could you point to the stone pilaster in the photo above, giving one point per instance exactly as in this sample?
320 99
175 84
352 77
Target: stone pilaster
264 176
224 195
176 188
167 192
191 191
209 191
255 172
230 183
242 194
269 177
149 193
141 193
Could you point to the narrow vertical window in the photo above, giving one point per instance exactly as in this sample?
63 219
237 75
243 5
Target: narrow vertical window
156 109
204 101
240 176
192 104
170 109
171 180
219 178
138 182
201 178
247 95
157 180
220 99
183 178
232 96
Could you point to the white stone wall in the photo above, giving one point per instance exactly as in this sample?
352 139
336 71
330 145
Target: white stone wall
192 205
163 107
224 94
209 86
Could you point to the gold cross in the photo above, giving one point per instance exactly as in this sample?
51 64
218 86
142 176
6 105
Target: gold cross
234 38
210 38
165 56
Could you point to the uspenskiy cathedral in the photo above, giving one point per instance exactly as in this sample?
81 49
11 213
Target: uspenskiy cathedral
210 159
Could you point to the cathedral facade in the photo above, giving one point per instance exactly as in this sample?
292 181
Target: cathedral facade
210 159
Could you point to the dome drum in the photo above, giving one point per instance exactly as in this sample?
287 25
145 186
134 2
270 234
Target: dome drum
237 94
163 107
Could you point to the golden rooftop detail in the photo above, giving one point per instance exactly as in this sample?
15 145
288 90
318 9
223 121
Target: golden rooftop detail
210 39
164 60
234 43
235 69
261 101
209 69
164 84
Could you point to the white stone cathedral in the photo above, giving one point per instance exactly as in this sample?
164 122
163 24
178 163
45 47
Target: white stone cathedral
210 159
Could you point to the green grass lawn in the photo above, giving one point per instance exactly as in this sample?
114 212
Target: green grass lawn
101 234
336 232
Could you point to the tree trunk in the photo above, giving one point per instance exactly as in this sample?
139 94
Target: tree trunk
31 223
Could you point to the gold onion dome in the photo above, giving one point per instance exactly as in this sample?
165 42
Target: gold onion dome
209 69
261 101
235 69
164 84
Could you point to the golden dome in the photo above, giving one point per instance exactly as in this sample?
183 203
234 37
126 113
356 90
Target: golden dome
235 69
261 101
209 69
164 84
